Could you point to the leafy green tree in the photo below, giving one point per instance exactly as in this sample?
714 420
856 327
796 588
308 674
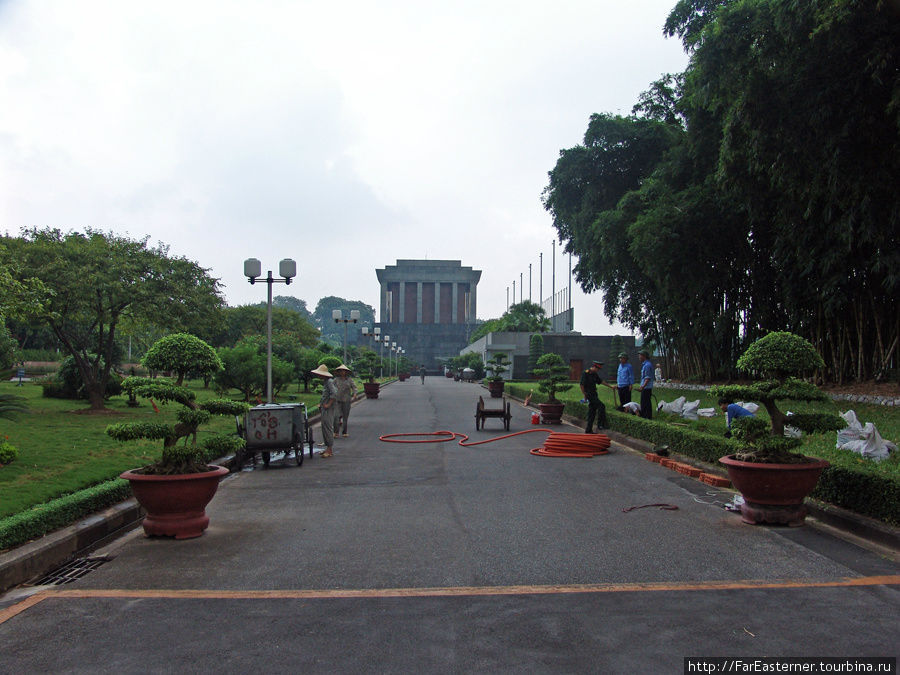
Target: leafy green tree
332 331
95 279
248 320
244 369
525 317
181 351
780 357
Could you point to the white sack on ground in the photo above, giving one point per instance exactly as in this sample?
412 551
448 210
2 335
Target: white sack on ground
673 408
863 439
689 410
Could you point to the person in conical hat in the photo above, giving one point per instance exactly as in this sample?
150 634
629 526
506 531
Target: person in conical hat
327 407
346 390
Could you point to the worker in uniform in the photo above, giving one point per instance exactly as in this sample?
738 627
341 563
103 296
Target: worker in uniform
596 410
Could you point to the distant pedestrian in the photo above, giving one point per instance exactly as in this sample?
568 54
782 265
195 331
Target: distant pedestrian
657 374
624 379
732 410
422 372
346 390
327 408
646 385
596 410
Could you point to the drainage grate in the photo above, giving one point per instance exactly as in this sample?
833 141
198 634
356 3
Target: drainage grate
71 571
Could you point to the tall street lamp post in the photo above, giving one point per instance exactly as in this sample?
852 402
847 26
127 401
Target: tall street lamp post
287 268
339 318
385 340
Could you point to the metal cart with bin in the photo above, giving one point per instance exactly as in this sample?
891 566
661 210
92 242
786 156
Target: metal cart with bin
274 427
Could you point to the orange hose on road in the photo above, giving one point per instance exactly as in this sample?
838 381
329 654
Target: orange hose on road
557 444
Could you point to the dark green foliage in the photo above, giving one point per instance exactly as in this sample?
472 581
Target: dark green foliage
696 190
192 417
182 353
224 406
96 281
245 370
496 366
779 355
222 445
861 492
367 364
69 382
553 373
40 520
535 351
468 360
131 431
330 362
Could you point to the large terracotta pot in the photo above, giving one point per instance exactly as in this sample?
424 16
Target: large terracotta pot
496 388
551 413
773 493
371 389
175 505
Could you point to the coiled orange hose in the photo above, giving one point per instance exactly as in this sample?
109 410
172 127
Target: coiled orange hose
558 444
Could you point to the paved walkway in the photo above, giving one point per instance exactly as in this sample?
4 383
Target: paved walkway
433 557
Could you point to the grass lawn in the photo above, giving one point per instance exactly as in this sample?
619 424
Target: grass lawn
62 450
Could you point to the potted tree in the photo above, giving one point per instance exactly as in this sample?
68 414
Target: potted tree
553 375
771 475
496 366
366 364
176 489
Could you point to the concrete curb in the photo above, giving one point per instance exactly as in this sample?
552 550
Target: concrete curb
43 555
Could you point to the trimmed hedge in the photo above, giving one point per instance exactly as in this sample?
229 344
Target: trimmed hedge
57 513
852 488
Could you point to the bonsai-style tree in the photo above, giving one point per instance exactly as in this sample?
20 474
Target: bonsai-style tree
553 374
182 353
367 364
184 458
496 366
779 358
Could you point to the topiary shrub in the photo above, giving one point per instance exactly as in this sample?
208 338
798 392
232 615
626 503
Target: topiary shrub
553 373
182 353
779 357
176 459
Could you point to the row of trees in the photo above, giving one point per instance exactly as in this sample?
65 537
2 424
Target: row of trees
89 294
756 191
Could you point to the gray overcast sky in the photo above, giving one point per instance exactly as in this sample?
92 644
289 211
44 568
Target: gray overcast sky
345 135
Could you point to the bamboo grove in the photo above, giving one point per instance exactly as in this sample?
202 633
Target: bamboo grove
756 191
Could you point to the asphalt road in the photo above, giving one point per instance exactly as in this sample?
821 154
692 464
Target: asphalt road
431 557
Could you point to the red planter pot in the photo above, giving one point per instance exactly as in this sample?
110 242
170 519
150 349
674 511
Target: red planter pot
175 505
496 388
551 413
773 493
371 389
